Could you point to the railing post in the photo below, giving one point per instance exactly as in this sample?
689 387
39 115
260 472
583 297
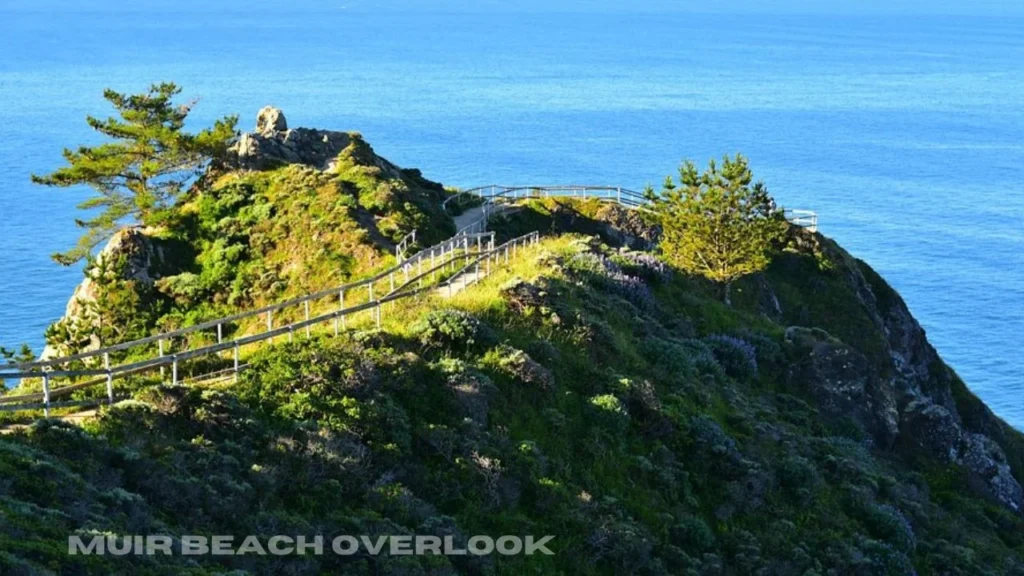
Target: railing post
270 323
341 302
378 315
220 336
307 317
110 377
291 334
160 346
236 361
174 369
46 395
371 295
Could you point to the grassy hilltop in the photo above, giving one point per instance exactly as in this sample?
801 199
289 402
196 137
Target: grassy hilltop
585 390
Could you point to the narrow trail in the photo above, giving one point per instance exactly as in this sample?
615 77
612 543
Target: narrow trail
468 217
459 284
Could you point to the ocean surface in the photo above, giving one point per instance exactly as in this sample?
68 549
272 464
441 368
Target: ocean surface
905 134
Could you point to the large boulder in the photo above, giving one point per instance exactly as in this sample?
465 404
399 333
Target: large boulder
270 121
930 428
844 384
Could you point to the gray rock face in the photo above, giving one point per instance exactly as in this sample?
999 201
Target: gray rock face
916 397
844 384
143 258
987 461
273 144
931 428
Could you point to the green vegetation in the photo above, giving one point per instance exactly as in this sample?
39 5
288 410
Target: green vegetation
142 171
651 434
716 224
591 389
248 239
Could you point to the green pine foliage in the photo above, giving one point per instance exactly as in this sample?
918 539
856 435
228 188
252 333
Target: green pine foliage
715 223
144 166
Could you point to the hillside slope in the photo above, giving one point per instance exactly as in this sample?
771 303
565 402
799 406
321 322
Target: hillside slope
583 392
289 212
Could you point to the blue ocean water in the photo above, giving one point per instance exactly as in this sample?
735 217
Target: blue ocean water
906 134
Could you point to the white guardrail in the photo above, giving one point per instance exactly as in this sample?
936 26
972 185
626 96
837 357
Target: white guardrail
471 248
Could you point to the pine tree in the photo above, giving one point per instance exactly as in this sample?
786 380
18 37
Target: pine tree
140 173
716 224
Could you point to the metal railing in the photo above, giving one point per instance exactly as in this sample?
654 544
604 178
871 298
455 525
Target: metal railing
497 199
403 246
439 260
803 218
392 285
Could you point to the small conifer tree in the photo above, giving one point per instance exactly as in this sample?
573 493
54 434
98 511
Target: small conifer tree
143 168
716 224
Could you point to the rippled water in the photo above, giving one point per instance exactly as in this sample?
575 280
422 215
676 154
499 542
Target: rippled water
905 134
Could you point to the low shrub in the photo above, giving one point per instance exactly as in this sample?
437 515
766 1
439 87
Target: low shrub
453 331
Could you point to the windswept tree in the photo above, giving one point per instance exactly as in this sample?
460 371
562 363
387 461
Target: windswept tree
716 224
143 168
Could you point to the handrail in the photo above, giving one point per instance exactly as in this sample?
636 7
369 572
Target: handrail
496 200
403 246
497 191
235 344
231 318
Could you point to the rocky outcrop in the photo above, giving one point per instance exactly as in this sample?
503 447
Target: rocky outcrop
625 227
903 397
133 255
932 429
844 384
614 224
274 144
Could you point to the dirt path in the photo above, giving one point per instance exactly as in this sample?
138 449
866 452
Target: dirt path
468 217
